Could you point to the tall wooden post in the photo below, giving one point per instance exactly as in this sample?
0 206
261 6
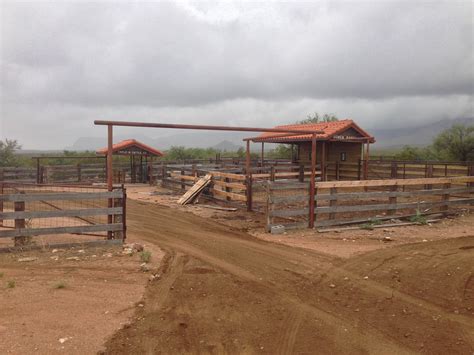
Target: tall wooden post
312 184
110 174
366 158
263 156
37 170
248 179
20 223
323 162
1 201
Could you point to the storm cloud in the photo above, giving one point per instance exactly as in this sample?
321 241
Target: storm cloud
386 63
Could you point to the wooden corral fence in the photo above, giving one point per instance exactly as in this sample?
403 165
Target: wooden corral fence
33 210
233 185
396 169
369 201
224 186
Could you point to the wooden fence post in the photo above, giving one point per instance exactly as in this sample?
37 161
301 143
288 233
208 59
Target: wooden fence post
1 201
333 201
248 181
301 173
272 173
79 173
429 174
394 170
392 200
445 199
359 169
269 207
183 186
338 171
227 189
124 214
20 224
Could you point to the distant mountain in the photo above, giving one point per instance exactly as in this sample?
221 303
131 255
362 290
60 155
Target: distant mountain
226 146
201 139
231 141
421 135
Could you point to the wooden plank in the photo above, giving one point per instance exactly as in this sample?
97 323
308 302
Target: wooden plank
401 224
61 213
195 190
232 185
227 175
382 194
27 232
398 206
287 199
184 177
339 222
232 195
295 225
61 196
288 186
392 182
289 213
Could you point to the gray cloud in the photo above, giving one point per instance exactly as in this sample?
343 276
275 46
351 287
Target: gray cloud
229 62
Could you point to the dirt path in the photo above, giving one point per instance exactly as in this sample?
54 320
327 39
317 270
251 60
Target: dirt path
224 291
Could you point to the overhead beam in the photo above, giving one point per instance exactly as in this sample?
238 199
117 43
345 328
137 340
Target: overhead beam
200 127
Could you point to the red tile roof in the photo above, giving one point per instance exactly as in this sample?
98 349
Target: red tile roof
131 143
330 130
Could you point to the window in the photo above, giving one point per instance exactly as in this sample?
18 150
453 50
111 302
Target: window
343 156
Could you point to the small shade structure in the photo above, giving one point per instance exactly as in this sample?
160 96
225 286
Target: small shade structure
338 141
141 155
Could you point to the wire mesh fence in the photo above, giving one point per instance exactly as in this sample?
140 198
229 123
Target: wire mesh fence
28 210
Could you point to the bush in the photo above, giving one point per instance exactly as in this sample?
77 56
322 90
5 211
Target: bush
145 256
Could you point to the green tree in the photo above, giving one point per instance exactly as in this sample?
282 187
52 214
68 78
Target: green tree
455 143
316 118
415 153
282 151
7 152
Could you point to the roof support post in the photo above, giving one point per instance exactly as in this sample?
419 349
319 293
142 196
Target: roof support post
366 158
312 183
263 155
248 179
323 161
110 173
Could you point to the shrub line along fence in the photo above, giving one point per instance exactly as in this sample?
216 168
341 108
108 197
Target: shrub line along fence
336 170
61 210
347 202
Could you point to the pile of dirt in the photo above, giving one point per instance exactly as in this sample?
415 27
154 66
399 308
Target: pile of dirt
222 290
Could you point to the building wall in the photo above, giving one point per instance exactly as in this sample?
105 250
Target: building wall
333 151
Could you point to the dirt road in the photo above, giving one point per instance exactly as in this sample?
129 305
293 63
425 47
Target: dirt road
224 291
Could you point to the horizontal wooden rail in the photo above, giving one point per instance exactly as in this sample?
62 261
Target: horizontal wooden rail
397 206
394 182
232 195
376 194
62 196
61 213
289 213
227 175
27 232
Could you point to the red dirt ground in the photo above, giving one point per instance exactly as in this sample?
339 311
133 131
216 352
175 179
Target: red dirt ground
101 291
226 287
225 291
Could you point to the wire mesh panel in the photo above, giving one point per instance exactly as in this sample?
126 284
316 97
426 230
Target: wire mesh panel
62 211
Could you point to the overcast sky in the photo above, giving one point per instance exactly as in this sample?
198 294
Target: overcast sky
384 64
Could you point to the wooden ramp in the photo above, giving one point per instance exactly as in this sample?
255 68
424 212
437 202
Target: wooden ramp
195 190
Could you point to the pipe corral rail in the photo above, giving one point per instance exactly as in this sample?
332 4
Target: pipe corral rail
111 124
